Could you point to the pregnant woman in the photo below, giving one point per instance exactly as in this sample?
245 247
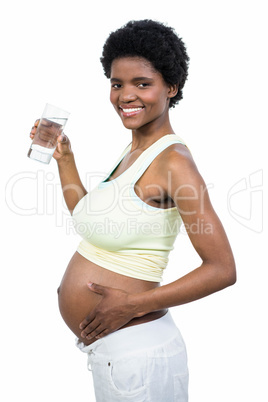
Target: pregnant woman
110 295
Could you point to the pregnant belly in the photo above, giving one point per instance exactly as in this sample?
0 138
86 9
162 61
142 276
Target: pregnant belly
76 300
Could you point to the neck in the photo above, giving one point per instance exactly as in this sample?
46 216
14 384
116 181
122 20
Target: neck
143 137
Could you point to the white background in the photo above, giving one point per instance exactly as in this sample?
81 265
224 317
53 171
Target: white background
50 53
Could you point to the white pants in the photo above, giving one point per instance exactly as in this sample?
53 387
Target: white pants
142 363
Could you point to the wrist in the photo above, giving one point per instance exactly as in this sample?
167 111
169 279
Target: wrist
66 159
141 303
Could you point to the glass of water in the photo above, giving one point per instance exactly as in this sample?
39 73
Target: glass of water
51 125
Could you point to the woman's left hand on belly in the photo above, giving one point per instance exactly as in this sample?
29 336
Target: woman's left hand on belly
114 311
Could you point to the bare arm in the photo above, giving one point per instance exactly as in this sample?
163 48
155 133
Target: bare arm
216 272
207 235
72 187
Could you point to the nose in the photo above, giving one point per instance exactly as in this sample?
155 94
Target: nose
127 94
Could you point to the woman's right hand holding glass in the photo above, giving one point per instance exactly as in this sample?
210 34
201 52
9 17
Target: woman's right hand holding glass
63 150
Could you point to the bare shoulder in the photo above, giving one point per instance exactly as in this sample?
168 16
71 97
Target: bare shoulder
178 153
177 160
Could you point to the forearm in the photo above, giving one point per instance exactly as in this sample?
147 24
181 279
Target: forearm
201 282
72 187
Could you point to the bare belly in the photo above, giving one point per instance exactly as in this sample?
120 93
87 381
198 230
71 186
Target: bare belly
76 300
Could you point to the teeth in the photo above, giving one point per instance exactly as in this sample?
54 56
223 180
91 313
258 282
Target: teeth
132 110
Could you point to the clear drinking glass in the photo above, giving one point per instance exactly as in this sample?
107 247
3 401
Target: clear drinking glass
51 125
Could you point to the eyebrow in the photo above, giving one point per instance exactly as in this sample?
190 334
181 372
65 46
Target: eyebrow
134 79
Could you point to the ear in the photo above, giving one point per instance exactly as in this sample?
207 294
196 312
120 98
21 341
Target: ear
172 90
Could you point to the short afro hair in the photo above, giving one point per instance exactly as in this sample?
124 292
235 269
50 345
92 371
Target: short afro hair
157 43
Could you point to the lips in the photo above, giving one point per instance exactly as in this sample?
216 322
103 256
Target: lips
130 111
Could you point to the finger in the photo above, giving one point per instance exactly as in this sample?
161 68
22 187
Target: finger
86 322
34 128
62 138
102 334
96 288
32 133
95 333
90 328
63 144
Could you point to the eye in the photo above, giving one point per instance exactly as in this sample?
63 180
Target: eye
143 85
116 86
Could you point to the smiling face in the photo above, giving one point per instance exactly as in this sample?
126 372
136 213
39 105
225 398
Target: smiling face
139 94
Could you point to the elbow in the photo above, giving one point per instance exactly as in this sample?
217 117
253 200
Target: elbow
223 274
232 271
229 274
232 278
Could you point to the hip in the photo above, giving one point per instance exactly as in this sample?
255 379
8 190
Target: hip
141 337
146 362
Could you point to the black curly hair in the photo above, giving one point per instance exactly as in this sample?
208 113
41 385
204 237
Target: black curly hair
157 43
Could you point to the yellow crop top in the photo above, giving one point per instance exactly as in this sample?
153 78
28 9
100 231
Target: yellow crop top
120 231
